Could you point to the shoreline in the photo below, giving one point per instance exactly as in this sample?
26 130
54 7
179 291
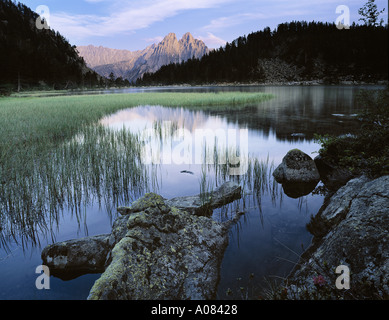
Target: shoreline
275 83
90 91
354 219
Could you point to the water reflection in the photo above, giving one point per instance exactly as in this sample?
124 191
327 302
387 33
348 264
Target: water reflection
297 113
264 152
298 189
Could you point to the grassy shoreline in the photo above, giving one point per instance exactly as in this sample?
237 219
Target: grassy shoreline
28 121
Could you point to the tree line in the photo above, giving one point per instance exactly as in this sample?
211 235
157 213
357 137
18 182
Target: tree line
294 51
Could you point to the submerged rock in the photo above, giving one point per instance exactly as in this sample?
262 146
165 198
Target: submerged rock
158 251
351 230
296 166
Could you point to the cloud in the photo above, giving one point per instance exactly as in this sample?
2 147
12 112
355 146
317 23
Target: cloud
231 21
125 17
266 10
154 39
212 41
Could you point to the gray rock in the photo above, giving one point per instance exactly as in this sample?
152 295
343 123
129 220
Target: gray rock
155 251
203 204
296 166
69 259
357 227
339 205
198 204
164 255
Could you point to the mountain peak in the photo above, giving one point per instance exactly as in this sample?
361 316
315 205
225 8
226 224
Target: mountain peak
132 65
170 37
187 37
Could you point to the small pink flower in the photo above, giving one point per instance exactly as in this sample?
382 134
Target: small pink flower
319 280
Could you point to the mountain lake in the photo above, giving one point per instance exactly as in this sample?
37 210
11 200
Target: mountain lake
271 234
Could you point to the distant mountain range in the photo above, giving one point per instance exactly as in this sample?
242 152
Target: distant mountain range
132 65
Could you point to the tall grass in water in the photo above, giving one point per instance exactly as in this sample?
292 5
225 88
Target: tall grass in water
256 183
98 165
256 179
218 165
206 189
53 156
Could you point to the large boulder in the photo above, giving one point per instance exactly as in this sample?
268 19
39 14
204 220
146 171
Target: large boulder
351 230
155 251
296 166
166 254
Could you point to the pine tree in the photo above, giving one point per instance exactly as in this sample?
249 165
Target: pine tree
370 13
111 78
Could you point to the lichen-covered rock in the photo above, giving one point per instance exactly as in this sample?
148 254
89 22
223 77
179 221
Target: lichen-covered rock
155 250
147 202
165 254
296 166
356 223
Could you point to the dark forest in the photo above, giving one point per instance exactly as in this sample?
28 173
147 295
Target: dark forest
295 51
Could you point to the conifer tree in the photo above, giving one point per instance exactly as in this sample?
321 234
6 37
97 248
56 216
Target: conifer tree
370 13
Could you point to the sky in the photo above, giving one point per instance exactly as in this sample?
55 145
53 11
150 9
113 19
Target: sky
136 24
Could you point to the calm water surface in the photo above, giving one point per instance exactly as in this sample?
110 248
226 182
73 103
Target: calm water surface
265 243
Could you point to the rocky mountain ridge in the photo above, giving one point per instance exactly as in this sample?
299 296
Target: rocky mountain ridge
132 65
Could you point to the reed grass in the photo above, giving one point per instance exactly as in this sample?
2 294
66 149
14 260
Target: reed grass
55 156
